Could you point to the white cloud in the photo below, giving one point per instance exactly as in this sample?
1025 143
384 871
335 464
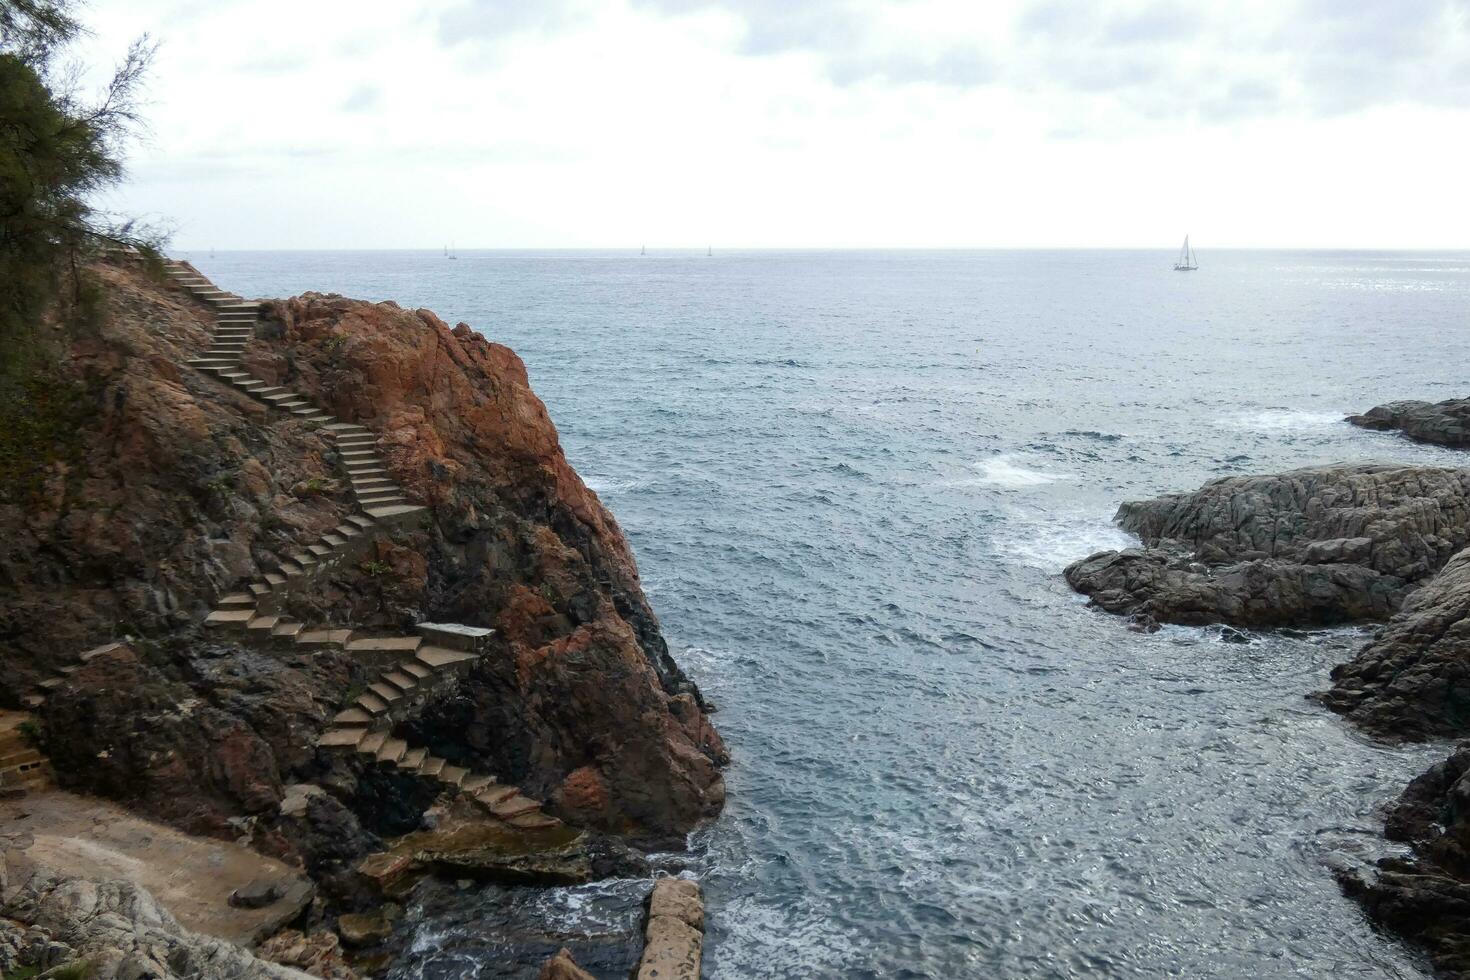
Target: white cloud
834 122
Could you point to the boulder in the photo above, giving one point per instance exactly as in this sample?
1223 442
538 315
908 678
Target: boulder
1445 423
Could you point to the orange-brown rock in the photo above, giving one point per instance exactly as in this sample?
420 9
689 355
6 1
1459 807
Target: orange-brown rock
582 704
171 488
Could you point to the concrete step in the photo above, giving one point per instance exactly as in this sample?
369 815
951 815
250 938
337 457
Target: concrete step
392 750
496 793
474 782
237 600
263 623
320 550
229 617
287 630
325 638
352 718
260 589
413 758
431 766
454 636
378 644
401 680
342 737
390 511
415 669
361 521
371 703
372 742
371 483
452 775
385 692
290 569
274 579
347 531
384 499
437 658
334 541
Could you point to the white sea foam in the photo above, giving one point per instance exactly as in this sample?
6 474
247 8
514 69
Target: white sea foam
1051 543
1279 420
1004 471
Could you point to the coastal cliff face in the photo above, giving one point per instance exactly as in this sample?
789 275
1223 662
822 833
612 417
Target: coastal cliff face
1312 546
172 487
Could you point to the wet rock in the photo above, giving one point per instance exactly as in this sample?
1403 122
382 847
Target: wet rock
490 850
364 928
1308 547
1445 423
1412 681
1425 897
563 967
318 954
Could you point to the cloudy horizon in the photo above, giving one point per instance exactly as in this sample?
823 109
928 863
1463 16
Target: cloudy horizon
835 123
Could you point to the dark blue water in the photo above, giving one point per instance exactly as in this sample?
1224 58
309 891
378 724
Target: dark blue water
852 480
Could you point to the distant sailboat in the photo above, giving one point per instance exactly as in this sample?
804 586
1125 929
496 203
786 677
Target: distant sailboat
1186 261
642 249
711 252
450 251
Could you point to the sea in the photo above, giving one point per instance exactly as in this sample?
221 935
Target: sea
852 480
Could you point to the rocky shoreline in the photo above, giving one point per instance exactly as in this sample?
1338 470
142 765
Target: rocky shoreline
548 738
1352 542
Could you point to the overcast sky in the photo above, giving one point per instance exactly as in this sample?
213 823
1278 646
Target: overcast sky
680 123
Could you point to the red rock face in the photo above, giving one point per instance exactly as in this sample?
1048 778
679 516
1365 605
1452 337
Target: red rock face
180 486
582 704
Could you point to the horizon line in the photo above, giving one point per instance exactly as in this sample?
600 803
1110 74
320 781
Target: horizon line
845 248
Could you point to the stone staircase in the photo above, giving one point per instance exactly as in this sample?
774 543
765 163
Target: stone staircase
236 320
410 669
22 766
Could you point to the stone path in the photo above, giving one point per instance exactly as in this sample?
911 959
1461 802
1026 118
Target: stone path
192 877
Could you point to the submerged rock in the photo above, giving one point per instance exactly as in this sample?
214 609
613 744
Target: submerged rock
1445 423
1313 546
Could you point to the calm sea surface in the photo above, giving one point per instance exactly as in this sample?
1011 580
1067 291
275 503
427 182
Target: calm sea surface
852 480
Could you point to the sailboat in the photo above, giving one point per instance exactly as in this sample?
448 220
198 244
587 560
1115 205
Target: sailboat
711 252
642 249
449 252
1186 261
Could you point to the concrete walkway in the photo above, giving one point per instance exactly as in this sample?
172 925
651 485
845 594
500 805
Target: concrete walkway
192 877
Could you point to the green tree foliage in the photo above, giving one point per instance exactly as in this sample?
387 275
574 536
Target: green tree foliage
57 151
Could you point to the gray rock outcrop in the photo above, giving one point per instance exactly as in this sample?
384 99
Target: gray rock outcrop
1320 545
1445 423
1413 680
115 928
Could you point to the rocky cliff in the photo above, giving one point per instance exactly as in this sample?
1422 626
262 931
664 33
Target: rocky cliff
172 488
